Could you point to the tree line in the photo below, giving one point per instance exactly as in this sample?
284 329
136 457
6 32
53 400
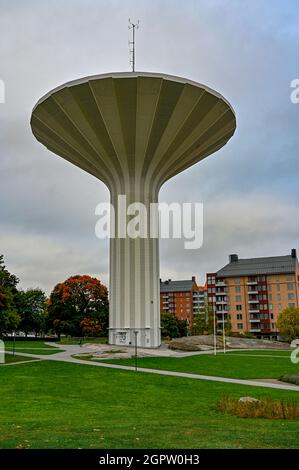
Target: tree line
77 307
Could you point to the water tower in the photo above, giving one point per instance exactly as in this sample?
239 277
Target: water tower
133 131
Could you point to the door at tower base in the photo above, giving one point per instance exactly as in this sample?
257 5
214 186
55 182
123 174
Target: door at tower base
145 337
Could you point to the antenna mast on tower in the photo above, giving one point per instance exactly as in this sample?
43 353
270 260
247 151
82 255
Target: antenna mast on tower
132 26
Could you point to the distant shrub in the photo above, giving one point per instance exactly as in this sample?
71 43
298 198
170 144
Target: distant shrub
264 408
292 379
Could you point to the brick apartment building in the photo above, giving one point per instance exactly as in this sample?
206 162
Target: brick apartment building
182 298
251 293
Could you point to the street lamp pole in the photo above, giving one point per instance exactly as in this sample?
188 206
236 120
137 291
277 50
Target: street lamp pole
136 355
223 333
215 337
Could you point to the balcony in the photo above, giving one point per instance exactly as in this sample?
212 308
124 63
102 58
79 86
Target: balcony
221 293
254 310
220 283
221 302
221 312
255 330
252 283
254 320
253 291
253 301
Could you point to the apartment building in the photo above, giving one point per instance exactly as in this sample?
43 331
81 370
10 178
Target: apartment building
251 293
184 299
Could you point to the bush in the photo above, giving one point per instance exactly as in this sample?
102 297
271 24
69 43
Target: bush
292 379
265 408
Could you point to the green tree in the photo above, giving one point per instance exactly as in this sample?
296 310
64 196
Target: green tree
199 324
203 321
9 318
9 321
288 323
31 306
76 299
183 327
171 327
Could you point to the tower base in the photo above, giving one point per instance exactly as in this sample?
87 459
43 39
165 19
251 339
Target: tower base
145 337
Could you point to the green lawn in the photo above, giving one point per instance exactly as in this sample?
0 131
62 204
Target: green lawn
263 352
31 347
58 405
239 365
9 358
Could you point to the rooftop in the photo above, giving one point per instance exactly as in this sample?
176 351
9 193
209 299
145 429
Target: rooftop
176 286
259 266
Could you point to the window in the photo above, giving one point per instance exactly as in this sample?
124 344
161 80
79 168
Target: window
278 296
182 310
269 278
240 326
237 289
269 288
238 298
277 286
277 277
289 277
239 307
239 316
290 286
291 304
270 296
291 296
270 307
188 310
237 280
279 307
273 325
272 316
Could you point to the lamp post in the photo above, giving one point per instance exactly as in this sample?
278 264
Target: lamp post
223 333
215 337
136 356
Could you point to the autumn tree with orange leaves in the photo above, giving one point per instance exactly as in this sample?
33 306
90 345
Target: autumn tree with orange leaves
78 304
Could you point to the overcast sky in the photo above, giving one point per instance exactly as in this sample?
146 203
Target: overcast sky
245 49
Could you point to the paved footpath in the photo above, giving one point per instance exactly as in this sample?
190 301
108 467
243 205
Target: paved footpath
69 350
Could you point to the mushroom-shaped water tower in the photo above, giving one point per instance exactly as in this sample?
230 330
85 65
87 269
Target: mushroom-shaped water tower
133 131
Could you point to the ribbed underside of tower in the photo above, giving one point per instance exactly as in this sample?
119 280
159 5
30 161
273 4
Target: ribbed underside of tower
133 131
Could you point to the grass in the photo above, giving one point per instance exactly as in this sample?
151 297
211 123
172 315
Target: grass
9 359
32 347
240 366
265 408
52 404
66 340
263 352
